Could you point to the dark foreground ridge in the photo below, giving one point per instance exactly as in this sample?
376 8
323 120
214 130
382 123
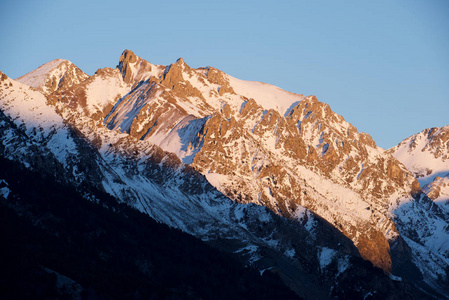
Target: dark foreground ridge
57 245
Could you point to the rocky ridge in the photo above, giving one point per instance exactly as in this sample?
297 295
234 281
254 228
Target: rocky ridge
426 153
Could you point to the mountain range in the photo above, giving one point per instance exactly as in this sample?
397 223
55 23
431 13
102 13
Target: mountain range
272 179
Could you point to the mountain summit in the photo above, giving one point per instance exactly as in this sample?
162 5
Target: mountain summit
426 155
54 75
135 69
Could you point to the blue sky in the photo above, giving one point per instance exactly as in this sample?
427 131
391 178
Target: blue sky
383 65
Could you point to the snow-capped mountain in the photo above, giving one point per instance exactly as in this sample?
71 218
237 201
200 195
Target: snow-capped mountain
157 183
207 153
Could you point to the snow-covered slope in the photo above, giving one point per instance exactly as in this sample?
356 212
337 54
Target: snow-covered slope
39 123
266 95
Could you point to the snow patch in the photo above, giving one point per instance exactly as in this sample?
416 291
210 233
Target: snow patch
325 256
343 264
4 190
266 95
217 180
103 91
290 253
394 278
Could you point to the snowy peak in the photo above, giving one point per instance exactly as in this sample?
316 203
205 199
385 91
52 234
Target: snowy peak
426 154
174 73
54 75
439 142
32 130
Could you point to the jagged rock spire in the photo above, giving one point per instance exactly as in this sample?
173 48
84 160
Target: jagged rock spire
126 59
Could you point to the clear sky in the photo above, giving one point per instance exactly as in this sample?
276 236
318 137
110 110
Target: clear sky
383 65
